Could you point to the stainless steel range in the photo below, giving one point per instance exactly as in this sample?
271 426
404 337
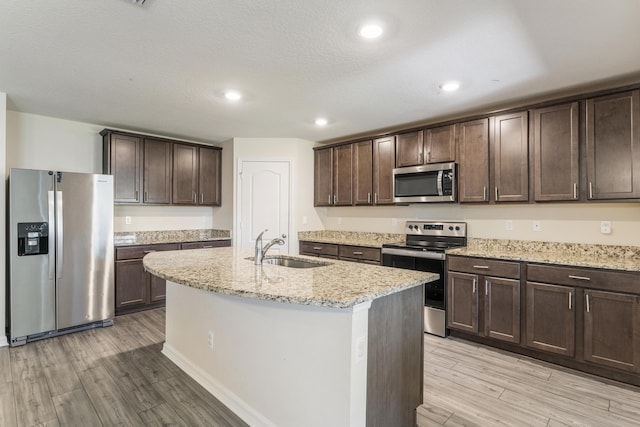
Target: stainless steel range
423 250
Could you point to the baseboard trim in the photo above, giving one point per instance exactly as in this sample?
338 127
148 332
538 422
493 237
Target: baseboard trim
223 394
3 341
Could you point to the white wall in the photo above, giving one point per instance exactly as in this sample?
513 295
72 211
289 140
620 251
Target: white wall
3 220
40 142
300 153
561 222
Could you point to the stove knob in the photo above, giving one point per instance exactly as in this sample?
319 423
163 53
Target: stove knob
457 228
451 228
411 227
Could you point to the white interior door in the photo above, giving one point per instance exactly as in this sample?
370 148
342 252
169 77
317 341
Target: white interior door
264 202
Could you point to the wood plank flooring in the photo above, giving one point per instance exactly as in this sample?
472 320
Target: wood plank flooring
467 384
104 377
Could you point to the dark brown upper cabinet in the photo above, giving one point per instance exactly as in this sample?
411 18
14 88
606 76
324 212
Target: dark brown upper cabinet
509 155
363 173
185 174
209 176
473 161
323 177
613 146
410 149
384 160
440 144
122 158
157 162
343 175
556 171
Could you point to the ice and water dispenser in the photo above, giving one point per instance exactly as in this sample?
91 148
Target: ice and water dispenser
33 238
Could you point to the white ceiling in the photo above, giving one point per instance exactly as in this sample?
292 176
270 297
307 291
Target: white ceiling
162 67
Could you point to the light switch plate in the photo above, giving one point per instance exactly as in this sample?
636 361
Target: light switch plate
537 226
127 220
508 225
605 227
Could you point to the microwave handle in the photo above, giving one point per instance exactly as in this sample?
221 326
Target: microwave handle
440 175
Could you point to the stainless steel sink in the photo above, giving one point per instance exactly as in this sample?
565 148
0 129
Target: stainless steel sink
294 263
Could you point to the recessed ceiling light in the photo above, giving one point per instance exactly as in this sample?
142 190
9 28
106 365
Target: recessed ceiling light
371 31
321 121
450 86
233 95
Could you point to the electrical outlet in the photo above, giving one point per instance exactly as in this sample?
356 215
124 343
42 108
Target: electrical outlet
508 225
361 349
211 339
305 220
605 227
127 220
394 222
537 226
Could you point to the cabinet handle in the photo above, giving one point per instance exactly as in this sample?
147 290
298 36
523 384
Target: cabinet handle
317 248
334 199
420 157
375 198
575 190
369 198
195 197
357 253
588 307
570 295
207 247
590 190
484 193
136 195
329 201
474 285
579 277
486 287
145 197
482 267
202 198
148 252
428 156
496 193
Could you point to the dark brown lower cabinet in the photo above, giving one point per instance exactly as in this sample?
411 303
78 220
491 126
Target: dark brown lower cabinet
136 289
612 329
502 309
462 305
551 320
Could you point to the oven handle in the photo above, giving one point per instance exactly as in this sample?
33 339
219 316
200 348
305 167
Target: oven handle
413 253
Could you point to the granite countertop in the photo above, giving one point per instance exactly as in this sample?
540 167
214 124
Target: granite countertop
168 236
340 284
612 257
356 238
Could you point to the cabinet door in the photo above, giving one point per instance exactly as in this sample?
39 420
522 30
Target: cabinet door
502 309
384 160
343 175
410 149
209 176
323 177
440 144
185 174
555 152
363 173
510 157
157 288
612 330
613 146
462 304
551 320
157 172
473 158
125 154
131 284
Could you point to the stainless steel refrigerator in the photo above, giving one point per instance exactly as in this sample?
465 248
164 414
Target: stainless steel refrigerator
61 253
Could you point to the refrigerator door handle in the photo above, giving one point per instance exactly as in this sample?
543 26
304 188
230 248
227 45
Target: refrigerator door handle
52 252
59 235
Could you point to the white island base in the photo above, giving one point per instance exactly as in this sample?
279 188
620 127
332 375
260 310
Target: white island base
283 364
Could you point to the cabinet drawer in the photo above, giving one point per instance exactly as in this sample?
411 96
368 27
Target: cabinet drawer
322 249
206 245
585 277
484 266
137 252
359 253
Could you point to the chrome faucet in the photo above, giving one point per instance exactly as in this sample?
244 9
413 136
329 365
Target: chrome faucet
260 253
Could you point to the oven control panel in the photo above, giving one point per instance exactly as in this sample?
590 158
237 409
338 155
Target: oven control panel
433 228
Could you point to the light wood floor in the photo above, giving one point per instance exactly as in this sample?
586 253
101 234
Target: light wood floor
467 384
104 377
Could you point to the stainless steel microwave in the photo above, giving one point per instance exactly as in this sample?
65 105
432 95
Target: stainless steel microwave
425 184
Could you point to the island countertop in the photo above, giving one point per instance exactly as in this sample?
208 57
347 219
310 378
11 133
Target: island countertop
340 284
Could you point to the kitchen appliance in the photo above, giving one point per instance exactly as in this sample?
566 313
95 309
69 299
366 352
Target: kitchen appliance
61 275
425 184
424 250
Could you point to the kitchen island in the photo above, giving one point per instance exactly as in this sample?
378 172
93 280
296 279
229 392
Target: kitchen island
339 344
